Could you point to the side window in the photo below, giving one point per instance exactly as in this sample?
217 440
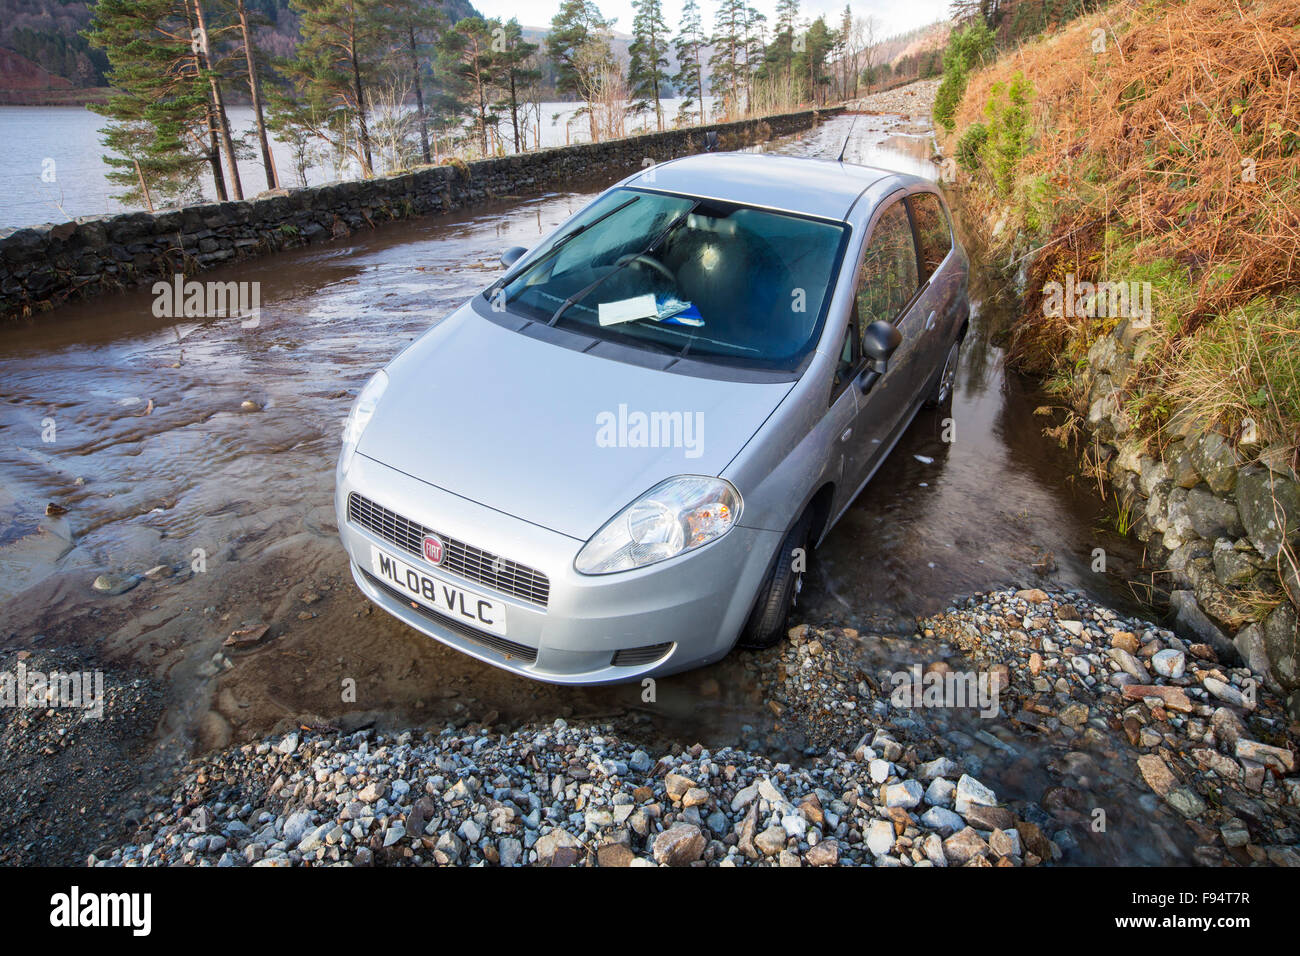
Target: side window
888 279
933 232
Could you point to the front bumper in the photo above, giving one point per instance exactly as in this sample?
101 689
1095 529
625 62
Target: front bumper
696 602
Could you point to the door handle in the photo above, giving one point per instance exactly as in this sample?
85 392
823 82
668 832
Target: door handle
929 322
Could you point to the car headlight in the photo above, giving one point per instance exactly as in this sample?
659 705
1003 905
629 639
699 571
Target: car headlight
673 517
363 409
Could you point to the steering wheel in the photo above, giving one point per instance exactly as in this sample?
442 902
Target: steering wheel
647 260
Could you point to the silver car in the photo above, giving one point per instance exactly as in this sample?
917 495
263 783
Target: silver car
611 463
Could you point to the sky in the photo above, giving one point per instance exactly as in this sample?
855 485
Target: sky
892 16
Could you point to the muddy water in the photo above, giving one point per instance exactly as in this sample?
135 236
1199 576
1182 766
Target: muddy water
208 447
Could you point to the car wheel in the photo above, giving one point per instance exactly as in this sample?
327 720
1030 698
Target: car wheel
943 386
779 592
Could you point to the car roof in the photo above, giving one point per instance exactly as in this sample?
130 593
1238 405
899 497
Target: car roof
814 187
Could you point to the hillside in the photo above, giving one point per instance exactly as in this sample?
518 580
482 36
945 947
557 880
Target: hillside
43 55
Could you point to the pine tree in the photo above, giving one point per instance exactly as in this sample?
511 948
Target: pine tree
648 65
414 27
159 119
690 44
516 65
338 57
467 59
579 46
726 65
252 62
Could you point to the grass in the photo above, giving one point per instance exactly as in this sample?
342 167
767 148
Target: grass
1173 164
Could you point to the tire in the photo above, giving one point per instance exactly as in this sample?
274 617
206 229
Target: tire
779 591
942 390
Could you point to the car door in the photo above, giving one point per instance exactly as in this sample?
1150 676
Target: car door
886 288
937 302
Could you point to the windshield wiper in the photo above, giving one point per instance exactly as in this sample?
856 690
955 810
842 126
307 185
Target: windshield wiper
560 244
624 262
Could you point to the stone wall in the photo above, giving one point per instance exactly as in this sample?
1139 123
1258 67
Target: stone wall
1220 516
43 266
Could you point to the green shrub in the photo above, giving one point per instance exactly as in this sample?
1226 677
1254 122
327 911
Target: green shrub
966 50
971 146
1009 130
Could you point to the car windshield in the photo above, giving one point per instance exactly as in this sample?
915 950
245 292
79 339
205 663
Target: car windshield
697 277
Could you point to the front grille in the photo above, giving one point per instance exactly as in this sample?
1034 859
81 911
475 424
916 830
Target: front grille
471 563
520 652
641 655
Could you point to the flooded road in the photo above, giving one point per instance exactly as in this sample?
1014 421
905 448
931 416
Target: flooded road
195 463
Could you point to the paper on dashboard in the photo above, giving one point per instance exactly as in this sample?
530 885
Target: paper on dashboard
628 310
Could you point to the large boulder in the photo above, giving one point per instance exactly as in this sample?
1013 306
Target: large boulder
1269 505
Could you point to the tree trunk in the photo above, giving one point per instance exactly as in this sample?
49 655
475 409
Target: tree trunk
363 131
419 95
514 110
254 89
218 103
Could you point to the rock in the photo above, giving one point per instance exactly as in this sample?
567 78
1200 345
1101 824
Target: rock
1186 801
880 837
1074 715
1156 773
1125 640
1034 840
826 853
1173 697
555 842
971 791
112 584
1005 842
448 849
374 791
940 792
1279 758
906 794
1169 663
964 846
1211 517
1282 647
295 827
677 785
509 851
680 845
1216 460
940 818
1191 622
1251 646
1033 596
939 767
1269 506
771 841
990 818
1225 692
1129 664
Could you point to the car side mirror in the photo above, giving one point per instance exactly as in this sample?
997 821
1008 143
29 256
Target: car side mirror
512 255
880 340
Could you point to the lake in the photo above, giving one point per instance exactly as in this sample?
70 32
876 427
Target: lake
53 170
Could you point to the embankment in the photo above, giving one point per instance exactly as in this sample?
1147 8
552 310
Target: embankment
1140 171
42 266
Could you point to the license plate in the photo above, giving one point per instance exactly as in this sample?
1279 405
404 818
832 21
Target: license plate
458 603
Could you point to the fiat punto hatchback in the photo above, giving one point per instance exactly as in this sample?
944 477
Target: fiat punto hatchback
611 462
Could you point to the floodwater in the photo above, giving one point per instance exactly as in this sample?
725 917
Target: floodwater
208 447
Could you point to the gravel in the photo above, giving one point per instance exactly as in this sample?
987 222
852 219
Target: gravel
1196 767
